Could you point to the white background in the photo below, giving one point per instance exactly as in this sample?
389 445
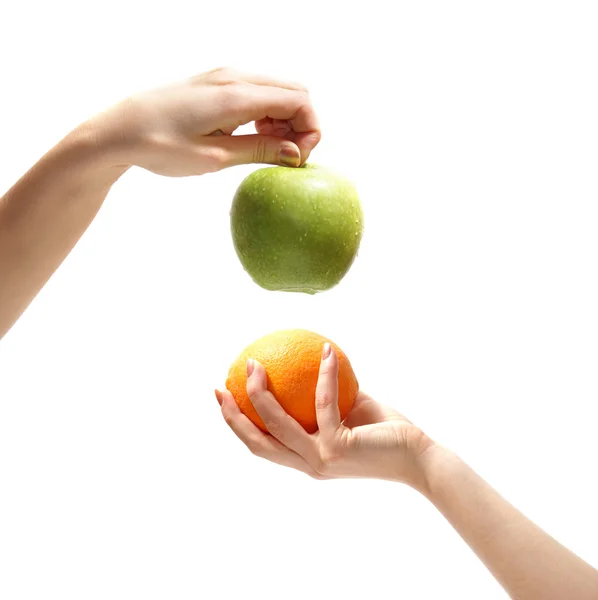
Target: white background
471 131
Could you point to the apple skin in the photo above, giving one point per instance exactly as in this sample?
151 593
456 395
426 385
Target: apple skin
296 229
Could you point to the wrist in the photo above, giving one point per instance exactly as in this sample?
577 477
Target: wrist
110 137
437 463
416 470
82 160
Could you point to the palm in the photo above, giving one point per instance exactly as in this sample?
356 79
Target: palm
366 411
380 439
373 441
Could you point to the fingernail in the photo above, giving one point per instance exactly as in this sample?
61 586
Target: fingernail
218 394
250 367
290 156
327 350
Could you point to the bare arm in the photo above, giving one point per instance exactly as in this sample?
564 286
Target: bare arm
179 130
45 213
525 560
375 441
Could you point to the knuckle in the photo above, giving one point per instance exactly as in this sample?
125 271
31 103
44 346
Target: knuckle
158 141
316 136
230 96
318 464
260 151
221 74
325 463
213 159
252 388
306 102
319 467
256 447
275 429
323 399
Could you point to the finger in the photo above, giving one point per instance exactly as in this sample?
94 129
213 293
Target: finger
327 411
283 129
256 103
259 443
264 126
275 127
280 424
249 149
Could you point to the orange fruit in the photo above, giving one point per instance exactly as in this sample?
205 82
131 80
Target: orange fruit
292 362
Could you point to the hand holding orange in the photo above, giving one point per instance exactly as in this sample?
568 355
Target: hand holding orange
291 359
324 429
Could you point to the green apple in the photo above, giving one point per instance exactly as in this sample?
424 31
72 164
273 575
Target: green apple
296 229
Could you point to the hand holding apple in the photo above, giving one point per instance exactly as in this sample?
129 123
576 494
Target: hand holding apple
186 128
178 130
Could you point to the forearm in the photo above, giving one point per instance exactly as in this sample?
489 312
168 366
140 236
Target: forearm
525 560
45 213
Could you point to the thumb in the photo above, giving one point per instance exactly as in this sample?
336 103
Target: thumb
246 149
